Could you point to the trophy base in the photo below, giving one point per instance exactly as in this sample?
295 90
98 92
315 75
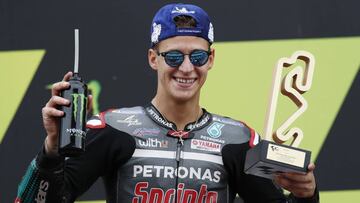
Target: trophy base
268 158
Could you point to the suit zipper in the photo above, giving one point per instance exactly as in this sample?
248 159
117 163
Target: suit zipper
179 144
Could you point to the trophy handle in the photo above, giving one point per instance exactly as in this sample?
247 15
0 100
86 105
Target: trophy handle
294 84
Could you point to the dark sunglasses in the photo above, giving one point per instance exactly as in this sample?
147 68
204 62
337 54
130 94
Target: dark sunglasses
175 58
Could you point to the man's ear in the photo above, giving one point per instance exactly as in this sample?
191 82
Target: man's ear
211 58
153 59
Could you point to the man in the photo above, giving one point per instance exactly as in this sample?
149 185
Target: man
169 151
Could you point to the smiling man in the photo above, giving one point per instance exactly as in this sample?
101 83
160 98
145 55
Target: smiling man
172 150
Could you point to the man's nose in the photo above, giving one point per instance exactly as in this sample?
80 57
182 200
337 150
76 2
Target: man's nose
186 65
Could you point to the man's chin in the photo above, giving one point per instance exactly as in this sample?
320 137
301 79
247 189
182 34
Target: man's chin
184 97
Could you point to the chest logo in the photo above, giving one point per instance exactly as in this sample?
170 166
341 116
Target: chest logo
205 145
154 143
130 121
215 130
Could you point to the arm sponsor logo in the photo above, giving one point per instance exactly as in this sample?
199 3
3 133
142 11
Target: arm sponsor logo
41 195
130 121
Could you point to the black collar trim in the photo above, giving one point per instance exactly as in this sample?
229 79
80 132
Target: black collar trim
156 116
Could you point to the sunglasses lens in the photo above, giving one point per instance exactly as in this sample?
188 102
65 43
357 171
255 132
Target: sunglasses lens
199 57
174 58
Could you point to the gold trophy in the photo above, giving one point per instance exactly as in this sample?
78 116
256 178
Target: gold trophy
271 156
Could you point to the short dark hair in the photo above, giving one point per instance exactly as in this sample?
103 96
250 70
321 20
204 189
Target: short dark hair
184 21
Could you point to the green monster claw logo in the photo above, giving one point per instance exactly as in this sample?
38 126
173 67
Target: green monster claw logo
83 103
94 88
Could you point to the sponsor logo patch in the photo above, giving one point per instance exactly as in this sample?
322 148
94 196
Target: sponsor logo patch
41 195
154 143
159 119
228 121
198 125
205 145
128 111
164 172
144 193
146 132
215 129
182 10
130 121
156 33
212 139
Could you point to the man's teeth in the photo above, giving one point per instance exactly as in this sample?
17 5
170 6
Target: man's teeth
181 80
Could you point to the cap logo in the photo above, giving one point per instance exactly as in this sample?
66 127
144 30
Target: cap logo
156 33
183 10
211 33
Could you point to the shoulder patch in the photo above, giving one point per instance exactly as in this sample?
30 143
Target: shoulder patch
97 121
254 139
254 136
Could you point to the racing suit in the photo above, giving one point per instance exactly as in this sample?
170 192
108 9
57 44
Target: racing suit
142 158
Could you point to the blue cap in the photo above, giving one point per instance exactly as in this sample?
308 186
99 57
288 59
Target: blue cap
163 25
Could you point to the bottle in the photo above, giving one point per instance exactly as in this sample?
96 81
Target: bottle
73 123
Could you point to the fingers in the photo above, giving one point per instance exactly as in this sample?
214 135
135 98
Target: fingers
57 101
58 87
67 76
301 190
301 185
290 181
311 167
51 112
298 177
50 108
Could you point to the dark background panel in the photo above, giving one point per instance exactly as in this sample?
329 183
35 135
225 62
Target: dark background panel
114 38
337 162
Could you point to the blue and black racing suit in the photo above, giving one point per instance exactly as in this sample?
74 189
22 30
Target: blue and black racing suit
142 158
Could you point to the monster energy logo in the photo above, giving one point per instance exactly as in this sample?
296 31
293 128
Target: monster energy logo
83 101
94 88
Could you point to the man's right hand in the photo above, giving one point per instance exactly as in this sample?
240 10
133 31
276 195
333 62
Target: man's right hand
51 115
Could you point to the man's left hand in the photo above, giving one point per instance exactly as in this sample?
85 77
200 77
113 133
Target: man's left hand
300 185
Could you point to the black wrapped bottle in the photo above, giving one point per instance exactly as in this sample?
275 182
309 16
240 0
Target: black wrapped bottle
73 124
